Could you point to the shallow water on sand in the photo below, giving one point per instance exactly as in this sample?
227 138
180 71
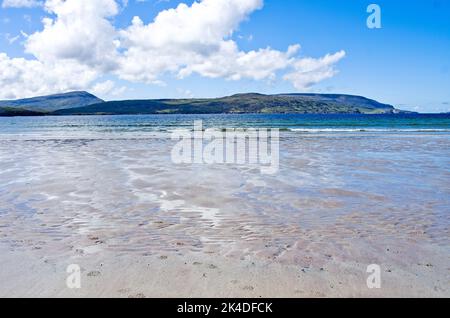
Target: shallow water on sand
341 195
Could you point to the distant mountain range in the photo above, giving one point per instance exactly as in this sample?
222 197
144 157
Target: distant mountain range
51 103
83 103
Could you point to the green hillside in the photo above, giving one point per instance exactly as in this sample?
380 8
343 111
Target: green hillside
241 103
52 102
83 103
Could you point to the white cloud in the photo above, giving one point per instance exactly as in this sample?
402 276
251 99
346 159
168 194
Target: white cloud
184 40
204 24
197 39
179 42
21 77
103 88
230 63
107 88
310 71
80 32
21 3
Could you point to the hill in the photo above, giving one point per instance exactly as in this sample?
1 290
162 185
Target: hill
10 112
46 104
83 103
239 104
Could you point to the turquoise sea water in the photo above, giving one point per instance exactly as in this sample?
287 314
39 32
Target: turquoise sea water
60 126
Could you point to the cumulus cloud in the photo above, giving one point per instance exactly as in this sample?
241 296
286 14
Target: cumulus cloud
80 32
79 45
204 24
310 71
21 77
184 40
107 88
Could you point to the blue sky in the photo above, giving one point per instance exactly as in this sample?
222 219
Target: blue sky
405 63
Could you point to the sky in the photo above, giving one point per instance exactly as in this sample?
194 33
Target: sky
133 49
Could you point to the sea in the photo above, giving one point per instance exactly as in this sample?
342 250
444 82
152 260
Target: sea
140 125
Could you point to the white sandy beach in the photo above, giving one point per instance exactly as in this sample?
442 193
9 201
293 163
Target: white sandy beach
194 274
140 226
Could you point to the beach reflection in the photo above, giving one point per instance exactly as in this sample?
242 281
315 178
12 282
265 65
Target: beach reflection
333 195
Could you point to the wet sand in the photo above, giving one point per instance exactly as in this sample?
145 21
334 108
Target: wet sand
141 226
179 274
